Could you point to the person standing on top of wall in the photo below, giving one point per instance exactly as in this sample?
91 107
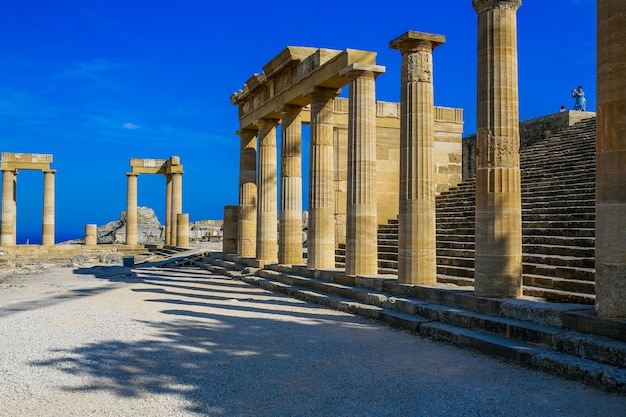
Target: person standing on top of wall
580 103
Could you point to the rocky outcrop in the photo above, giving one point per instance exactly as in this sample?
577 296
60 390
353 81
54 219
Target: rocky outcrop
149 229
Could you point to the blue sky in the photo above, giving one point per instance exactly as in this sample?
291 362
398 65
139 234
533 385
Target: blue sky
97 82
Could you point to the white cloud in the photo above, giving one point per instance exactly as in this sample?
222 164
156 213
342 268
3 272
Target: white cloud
130 126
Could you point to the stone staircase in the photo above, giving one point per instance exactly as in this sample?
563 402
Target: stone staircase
563 339
558 222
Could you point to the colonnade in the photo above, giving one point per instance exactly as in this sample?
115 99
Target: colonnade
173 171
10 164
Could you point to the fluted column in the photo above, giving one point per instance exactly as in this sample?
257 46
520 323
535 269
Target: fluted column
131 209
290 226
7 233
168 209
47 235
417 233
91 234
498 259
246 230
361 216
182 234
611 160
177 205
267 231
321 230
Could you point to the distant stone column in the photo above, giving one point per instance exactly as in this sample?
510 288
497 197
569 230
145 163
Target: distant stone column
168 209
246 230
229 229
611 160
290 226
177 205
7 234
131 209
498 259
321 231
417 230
267 230
361 220
47 235
182 233
91 234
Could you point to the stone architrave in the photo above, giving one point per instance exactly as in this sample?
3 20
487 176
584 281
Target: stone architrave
131 209
290 226
321 231
417 233
611 160
247 222
47 235
498 259
267 216
361 219
7 232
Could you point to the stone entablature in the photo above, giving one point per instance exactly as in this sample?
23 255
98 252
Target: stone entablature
156 166
34 161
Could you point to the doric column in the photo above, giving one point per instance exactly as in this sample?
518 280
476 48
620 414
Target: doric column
177 205
131 209
361 216
229 229
91 234
47 235
321 231
168 209
290 226
267 231
246 230
498 259
611 160
7 233
417 230
182 234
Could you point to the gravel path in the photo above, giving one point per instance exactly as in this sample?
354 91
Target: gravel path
110 341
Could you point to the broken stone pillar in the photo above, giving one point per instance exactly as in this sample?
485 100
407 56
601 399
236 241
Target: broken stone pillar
498 258
131 209
229 229
91 234
611 160
168 209
290 226
246 229
361 220
177 205
182 232
321 230
267 229
47 235
7 232
417 233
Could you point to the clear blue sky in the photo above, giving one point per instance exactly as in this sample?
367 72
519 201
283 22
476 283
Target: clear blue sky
97 82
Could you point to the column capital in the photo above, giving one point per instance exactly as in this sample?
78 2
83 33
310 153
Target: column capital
412 41
132 174
292 109
247 133
357 70
482 6
49 171
322 93
265 124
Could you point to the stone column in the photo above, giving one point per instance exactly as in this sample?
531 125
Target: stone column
131 209
91 234
417 230
290 226
267 231
168 209
611 160
361 219
7 233
47 235
498 259
182 233
177 205
246 230
321 231
229 229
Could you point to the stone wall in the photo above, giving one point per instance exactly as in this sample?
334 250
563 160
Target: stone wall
531 131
